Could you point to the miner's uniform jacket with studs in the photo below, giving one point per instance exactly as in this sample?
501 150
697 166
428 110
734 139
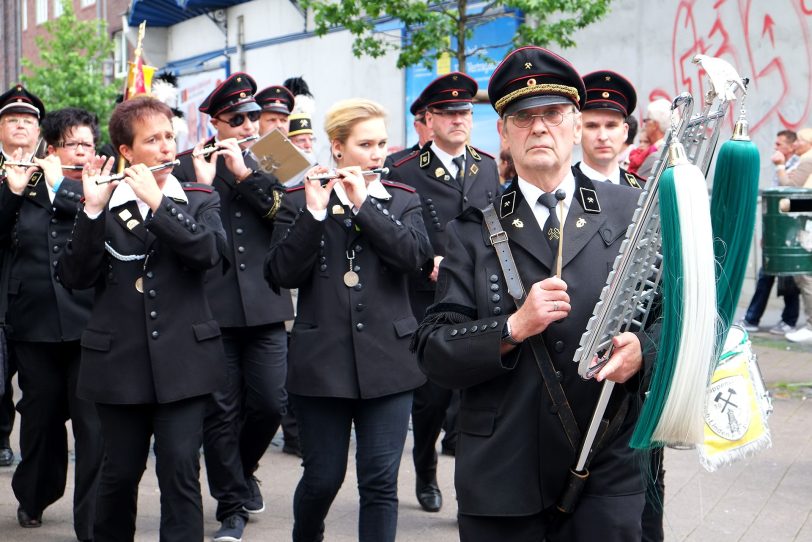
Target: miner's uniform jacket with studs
350 341
151 337
513 455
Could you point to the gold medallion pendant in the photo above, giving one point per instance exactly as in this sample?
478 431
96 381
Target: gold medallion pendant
139 285
350 279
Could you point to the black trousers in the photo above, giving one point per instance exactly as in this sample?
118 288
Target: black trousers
7 412
244 414
428 407
47 375
655 498
326 425
603 519
127 429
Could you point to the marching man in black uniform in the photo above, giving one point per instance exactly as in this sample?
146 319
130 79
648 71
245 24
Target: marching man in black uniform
610 98
20 116
424 135
449 175
245 411
277 104
520 431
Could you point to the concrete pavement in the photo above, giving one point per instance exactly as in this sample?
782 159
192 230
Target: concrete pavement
767 497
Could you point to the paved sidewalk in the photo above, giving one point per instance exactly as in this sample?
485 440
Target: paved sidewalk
764 498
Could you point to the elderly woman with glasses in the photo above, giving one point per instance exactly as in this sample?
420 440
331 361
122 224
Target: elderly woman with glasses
38 206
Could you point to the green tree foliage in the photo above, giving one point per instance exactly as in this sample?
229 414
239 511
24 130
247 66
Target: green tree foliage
432 25
70 70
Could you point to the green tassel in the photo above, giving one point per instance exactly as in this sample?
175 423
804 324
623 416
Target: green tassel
667 354
733 216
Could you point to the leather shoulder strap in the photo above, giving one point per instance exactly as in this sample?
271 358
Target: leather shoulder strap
499 240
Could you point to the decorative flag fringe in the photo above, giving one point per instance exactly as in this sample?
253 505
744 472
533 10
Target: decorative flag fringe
737 406
733 215
673 410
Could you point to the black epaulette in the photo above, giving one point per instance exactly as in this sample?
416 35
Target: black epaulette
406 159
197 187
402 186
473 150
471 214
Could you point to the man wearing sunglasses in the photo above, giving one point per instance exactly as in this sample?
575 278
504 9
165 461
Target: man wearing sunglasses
450 175
244 413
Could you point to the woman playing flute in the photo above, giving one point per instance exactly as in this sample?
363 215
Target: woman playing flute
349 247
38 206
151 353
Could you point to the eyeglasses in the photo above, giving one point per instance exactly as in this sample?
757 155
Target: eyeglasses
25 121
238 119
553 117
74 145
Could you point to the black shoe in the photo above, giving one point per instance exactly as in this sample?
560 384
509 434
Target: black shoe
230 530
6 456
429 495
292 447
255 504
27 520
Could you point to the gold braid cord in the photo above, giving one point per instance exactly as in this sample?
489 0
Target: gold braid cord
547 88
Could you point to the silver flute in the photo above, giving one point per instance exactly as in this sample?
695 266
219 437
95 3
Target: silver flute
205 151
104 179
32 164
334 174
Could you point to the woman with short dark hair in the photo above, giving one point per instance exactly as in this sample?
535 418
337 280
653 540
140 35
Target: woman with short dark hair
38 206
151 353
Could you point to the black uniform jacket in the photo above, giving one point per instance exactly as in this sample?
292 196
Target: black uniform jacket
36 230
399 155
626 178
441 196
350 342
513 455
238 293
162 345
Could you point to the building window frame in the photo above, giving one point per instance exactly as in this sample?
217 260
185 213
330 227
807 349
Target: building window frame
41 11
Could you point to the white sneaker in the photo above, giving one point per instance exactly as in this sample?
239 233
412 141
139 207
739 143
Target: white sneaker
781 328
802 335
747 326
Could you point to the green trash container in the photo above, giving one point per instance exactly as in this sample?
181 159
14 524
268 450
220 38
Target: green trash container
787 231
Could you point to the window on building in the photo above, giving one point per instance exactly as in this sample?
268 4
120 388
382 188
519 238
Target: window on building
120 54
42 11
58 8
24 14
85 3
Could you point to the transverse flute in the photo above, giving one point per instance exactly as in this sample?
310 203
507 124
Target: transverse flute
205 151
119 176
32 164
334 174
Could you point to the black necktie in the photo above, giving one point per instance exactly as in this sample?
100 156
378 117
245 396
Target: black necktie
459 161
552 228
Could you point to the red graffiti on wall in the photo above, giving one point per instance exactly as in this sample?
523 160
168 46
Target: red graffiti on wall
744 32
